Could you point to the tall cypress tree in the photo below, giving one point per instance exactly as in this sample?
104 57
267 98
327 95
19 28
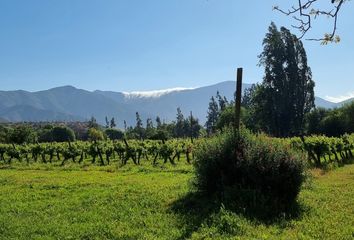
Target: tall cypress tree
212 117
192 127
139 126
287 91
92 123
150 130
222 101
179 127
107 122
125 125
113 123
158 122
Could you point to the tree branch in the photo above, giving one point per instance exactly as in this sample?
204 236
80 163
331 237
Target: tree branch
304 14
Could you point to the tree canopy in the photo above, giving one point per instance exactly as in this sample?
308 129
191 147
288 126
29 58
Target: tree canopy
286 94
62 134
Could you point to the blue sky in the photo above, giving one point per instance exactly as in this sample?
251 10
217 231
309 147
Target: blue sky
136 45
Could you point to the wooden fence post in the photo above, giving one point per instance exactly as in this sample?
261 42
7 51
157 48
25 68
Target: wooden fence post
238 98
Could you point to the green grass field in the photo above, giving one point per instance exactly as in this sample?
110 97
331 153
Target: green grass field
88 202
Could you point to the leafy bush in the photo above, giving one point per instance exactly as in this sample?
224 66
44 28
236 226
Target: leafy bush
4 134
95 134
114 134
62 134
45 134
269 169
22 134
160 135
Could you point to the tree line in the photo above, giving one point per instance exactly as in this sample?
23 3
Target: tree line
282 105
181 127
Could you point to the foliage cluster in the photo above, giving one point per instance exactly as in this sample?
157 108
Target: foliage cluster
323 150
217 106
26 133
50 133
279 104
181 127
269 171
331 122
104 151
21 133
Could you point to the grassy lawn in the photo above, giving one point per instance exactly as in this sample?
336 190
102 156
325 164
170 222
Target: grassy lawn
88 202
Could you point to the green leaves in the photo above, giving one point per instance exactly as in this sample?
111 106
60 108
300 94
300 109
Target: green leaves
286 94
318 147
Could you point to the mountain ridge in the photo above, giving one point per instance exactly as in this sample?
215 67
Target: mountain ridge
69 103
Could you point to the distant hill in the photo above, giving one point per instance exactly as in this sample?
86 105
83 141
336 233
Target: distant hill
345 102
165 105
32 114
62 103
3 120
320 102
68 103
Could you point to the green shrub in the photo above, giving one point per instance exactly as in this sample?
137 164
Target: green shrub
95 134
114 134
62 134
22 134
269 169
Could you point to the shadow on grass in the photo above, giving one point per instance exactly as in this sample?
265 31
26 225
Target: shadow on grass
195 209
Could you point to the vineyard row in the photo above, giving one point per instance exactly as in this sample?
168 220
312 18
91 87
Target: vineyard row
321 150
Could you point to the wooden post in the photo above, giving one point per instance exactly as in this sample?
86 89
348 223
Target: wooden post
238 98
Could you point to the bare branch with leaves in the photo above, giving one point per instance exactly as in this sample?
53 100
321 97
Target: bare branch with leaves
305 12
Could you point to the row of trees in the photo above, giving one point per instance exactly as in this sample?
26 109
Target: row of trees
318 121
27 134
182 127
331 122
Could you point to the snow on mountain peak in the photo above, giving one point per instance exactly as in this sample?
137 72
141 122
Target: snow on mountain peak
339 99
153 93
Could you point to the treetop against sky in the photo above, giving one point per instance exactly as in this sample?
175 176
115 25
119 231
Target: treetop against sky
134 45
